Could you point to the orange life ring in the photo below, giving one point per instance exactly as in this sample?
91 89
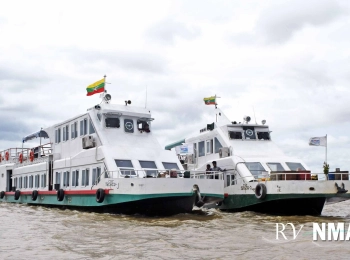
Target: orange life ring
7 155
20 158
31 155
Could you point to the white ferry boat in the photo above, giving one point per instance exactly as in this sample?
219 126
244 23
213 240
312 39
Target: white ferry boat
258 176
106 159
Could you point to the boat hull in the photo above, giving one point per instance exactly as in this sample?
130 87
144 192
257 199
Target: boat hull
290 204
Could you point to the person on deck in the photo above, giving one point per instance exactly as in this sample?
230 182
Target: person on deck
216 169
208 172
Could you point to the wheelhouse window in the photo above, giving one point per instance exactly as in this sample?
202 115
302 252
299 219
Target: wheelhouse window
235 135
150 168
112 122
209 146
99 117
128 125
170 165
85 177
66 133
58 135
295 166
217 144
143 124
201 149
91 127
249 133
83 127
126 168
255 168
263 135
74 130
275 167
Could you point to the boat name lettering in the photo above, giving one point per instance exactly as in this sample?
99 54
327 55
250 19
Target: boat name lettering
111 183
246 187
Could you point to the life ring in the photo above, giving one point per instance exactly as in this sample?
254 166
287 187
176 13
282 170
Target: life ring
100 195
60 194
31 155
17 194
34 195
7 155
260 191
20 158
2 194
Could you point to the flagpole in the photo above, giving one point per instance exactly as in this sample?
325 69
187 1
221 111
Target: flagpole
326 148
105 83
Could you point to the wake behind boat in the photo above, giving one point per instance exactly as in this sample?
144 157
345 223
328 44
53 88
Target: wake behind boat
258 175
106 159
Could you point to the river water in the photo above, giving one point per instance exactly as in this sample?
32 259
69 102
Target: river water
49 233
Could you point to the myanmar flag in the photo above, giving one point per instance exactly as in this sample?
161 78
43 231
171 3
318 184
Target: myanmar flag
210 100
97 87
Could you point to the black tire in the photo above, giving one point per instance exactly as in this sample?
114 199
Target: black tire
100 195
2 194
260 191
17 194
34 195
60 194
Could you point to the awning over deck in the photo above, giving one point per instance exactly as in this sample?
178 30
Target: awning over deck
41 133
169 146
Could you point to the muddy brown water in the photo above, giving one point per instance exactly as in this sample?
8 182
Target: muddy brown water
32 232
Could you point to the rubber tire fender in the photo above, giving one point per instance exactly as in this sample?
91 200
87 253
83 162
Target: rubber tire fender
260 191
34 195
2 194
17 194
60 194
100 195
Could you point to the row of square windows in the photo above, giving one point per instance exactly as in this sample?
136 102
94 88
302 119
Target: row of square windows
64 132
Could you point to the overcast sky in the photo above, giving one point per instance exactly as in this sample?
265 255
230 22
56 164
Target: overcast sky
287 60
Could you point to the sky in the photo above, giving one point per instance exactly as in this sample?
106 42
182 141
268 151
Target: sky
287 62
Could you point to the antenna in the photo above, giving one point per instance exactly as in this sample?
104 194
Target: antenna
254 115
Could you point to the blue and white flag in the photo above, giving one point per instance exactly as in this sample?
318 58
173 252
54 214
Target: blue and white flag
318 141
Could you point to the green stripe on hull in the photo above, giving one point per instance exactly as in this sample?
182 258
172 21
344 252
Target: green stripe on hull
89 200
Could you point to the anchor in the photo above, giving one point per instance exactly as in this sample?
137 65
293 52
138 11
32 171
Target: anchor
341 189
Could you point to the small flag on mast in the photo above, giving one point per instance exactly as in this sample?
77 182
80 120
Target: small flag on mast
318 141
210 100
97 87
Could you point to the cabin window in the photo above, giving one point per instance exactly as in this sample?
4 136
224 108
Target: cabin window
255 168
43 180
143 126
31 181
25 182
112 122
170 165
263 135
58 178
217 145
275 167
91 127
85 177
294 166
209 146
66 179
58 135
83 127
15 182
126 167
75 178
249 133
36 181
128 125
201 149
151 168
235 135
94 176
195 150
20 182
